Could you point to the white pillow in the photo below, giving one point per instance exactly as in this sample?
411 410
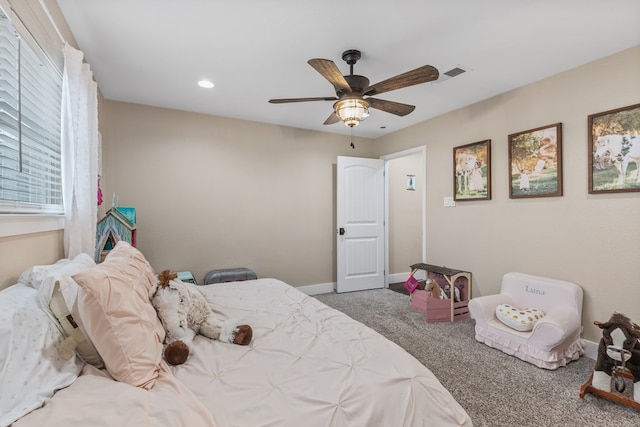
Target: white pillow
31 369
519 319
33 276
114 302
58 297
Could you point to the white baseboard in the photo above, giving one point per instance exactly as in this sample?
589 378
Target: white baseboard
398 278
402 277
590 349
325 288
321 288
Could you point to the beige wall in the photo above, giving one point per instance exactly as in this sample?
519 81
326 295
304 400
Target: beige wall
589 239
17 253
212 192
405 213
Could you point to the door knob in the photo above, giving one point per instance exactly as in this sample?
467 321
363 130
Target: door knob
341 231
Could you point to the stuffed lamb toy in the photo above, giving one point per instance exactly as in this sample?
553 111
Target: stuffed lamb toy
184 312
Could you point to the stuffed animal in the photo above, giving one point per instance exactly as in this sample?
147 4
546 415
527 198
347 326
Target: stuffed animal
184 312
435 289
456 293
438 292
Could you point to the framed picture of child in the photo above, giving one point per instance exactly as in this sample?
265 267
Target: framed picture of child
535 162
472 171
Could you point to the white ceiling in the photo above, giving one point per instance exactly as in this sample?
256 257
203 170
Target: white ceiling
154 51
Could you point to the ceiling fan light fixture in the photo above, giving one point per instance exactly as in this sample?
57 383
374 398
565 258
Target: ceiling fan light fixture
352 110
350 106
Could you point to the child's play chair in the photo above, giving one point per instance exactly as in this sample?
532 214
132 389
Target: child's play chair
553 340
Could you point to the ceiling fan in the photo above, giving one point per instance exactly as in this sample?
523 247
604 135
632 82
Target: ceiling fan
353 92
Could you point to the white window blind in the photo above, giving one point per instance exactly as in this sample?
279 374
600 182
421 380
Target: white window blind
30 99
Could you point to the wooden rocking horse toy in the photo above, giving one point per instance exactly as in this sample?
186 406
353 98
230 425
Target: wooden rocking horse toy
616 375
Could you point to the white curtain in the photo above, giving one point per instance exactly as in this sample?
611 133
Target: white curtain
79 154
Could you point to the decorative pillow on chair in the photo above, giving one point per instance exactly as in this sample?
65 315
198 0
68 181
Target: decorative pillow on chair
520 320
115 308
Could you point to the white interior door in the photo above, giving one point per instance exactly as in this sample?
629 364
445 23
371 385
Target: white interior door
360 221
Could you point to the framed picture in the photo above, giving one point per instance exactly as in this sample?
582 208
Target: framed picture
614 150
472 171
535 162
411 182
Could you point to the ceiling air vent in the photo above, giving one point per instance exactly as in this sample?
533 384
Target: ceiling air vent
455 72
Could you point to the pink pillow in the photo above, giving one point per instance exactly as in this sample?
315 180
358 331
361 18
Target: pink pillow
114 304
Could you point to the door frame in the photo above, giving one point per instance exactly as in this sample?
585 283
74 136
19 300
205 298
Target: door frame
422 151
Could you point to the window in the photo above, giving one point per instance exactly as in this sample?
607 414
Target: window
30 99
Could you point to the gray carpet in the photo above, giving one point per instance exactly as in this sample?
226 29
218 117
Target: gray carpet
494 388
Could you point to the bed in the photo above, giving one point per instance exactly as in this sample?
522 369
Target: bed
307 364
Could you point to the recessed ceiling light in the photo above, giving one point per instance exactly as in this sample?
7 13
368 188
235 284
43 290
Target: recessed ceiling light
205 84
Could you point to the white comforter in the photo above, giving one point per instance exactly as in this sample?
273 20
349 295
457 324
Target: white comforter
308 365
97 400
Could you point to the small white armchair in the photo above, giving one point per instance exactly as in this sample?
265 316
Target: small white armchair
554 339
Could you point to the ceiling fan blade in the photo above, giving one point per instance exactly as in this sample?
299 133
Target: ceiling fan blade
423 74
333 118
330 71
390 107
287 100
